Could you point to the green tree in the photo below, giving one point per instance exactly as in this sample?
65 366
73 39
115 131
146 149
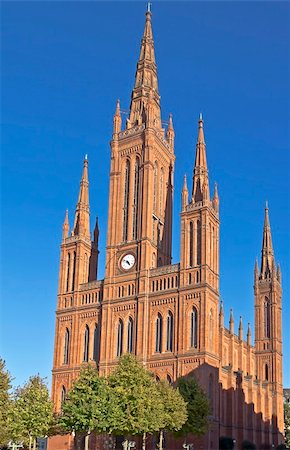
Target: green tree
136 403
287 423
175 409
86 406
198 407
5 403
31 412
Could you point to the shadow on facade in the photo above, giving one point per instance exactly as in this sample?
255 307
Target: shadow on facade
232 417
164 243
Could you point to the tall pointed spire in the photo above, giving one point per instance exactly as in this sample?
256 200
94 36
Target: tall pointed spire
82 214
117 123
200 188
241 329
145 79
215 199
231 321
184 195
249 334
267 257
221 314
65 227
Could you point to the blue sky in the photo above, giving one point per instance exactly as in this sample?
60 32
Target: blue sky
64 64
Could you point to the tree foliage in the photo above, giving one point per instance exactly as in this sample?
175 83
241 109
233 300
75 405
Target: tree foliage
198 407
287 423
136 402
85 408
31 413
5 403
175 408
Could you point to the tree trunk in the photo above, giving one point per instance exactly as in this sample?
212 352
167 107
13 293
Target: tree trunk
30 442
144 442
34 444
125 444
161 440
87 437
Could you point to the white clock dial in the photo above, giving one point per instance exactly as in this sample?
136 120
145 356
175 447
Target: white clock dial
128 261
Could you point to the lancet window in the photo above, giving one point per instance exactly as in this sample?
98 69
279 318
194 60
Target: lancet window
67 272
120 338
130 335
66 346
74 271
158 342
198 243
96 343
86 344
169 341
191 244
136 198
62 394
126 200
193 327
267 317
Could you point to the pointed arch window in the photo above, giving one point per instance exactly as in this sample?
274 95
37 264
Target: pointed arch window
191 244
120 338
74 271
130 336
96 344
158 341
67 272
169 340
66 346
267 318
126 200
62 395
161 190
169 380
193 327
198 243
86 344
266 372
155 186
136 198
210 329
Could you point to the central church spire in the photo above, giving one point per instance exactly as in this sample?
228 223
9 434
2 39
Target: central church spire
146 83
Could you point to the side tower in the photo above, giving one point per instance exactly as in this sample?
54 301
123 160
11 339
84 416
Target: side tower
268 323
199 259
78 266
140 210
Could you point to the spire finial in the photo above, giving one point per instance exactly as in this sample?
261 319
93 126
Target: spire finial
149 4
86 157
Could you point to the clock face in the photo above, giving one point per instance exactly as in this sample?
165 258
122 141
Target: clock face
128 261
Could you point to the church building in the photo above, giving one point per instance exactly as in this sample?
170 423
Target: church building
169 315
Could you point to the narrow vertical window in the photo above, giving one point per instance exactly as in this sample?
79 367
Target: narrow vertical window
120 338
169 380
198 243
169 340
191 244
193 328
74 271
161 190
210 329
136 198
86 344
62 394
66 346
67 272
155 187
158 342
85 268
130 336
96 344
266 372
126 201
267 316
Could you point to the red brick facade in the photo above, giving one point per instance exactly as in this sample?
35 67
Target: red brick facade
169 315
